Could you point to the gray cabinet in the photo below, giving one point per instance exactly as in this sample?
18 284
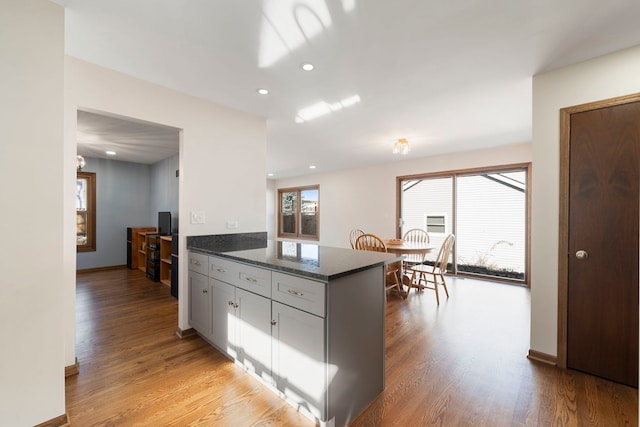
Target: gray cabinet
299 344
299 358
222 311
253 334
319 345
199 296
199 303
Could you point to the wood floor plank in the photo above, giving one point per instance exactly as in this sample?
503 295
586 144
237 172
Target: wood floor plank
462 363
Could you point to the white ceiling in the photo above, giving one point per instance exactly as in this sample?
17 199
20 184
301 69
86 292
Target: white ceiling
447 75
131 140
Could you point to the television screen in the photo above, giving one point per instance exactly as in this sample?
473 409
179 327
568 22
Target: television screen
164 223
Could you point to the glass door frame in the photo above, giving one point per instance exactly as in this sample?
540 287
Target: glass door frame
526 167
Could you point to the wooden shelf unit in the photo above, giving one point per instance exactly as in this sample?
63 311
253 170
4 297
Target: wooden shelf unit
136 239
142 249
165 260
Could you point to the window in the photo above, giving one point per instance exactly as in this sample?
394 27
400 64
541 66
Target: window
86 212
298 212
436 224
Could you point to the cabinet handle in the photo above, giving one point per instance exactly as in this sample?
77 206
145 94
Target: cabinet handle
296 293
221 270
251 279
235 306
195 262
204 291
230 302
273 323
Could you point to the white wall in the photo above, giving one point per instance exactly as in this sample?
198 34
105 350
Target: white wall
272 195
31 195
602 78
222 151
366 197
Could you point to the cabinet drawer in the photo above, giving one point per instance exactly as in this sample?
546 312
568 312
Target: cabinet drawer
223 269
305 294
254 279
198 263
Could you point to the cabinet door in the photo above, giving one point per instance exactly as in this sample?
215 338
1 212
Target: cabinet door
199 302
253 339
298 363
223 316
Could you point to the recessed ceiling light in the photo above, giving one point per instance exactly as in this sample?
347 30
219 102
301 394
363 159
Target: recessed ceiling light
312 167
111 153
262 91
307 66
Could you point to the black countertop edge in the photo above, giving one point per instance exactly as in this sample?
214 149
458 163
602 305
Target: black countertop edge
228 242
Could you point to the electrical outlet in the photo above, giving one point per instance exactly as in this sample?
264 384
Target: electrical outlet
197 217
232 224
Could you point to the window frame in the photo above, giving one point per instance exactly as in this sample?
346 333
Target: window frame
298 213
90 245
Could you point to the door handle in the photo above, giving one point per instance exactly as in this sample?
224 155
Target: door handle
582 254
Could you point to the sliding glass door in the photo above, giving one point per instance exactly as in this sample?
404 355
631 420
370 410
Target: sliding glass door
486 210
428 204
491 224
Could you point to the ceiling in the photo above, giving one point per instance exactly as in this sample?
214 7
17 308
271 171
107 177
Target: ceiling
447 75
130 140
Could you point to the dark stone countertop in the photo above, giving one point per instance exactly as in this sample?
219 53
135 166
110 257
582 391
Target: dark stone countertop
303 259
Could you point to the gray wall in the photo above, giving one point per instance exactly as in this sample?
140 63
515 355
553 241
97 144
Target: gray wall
127 195
164 190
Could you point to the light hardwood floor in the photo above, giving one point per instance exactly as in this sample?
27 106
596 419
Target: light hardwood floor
462 363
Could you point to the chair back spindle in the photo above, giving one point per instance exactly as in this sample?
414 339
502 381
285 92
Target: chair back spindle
431 277
418 236
353 235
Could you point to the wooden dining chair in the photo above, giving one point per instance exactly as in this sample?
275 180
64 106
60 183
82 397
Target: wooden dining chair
355 233
371 242
415 235
425 276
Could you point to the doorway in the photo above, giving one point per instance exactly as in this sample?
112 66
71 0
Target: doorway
598 242
135 165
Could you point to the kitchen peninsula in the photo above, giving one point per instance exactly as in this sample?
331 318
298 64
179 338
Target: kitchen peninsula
307 320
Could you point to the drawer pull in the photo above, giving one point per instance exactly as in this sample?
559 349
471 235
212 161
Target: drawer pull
251 279
221 270
195 262
296 293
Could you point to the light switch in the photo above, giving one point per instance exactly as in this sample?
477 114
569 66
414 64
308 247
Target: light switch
197 217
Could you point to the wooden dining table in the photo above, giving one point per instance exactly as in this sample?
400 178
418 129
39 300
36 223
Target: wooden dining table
401 247
398 246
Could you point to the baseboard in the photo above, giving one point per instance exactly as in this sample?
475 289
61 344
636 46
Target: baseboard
186 333
542 357
93 270
72 370
62 420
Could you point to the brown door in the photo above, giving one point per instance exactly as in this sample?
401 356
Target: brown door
602 299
